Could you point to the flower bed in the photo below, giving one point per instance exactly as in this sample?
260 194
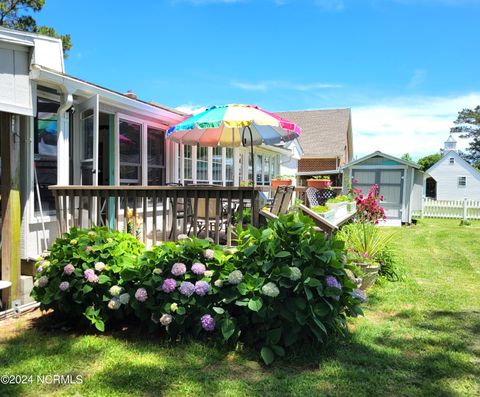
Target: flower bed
284 284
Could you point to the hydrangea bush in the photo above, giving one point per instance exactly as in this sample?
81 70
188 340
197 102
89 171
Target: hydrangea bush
81 275
282 285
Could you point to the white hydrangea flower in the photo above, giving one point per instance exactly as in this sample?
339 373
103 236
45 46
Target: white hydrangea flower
270 289
295 273
166 319
235 277
115 290
208 273
218 283
114 304
157 271
99 266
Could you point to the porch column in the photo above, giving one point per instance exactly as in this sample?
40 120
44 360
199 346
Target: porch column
236 167
63 141
11 207
210 165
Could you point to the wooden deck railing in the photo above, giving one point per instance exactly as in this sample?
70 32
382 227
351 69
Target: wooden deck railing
156 213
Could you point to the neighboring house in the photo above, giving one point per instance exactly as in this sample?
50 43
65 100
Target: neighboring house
452 178
326 140
400 183
289 163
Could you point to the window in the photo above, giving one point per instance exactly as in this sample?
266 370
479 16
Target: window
187 162
202 164
229 166
462 181
45 148
217 165
452 160
156 156
130 136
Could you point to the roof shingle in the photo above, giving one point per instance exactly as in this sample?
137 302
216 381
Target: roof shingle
324 132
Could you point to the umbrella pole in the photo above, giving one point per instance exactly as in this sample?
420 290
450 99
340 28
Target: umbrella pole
244 141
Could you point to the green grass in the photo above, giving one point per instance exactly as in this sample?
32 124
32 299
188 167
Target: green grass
419 337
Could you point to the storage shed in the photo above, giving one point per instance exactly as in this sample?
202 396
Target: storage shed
400 183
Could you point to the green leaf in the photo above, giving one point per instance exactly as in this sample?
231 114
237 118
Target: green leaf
282 254
267 355
279 350
313 282
273 335
242 288
218 310
250 250
255 304
102 279
308 292
100 325
181 310
87 288
228 328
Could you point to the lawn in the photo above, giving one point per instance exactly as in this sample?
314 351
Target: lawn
419 337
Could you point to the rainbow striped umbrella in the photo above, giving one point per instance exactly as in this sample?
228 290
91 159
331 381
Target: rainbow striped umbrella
225 125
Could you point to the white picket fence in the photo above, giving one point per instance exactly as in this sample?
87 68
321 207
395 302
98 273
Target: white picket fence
454 209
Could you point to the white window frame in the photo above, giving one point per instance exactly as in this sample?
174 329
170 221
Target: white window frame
459 185
451 160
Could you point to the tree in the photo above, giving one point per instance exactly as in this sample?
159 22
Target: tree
468 124
14 14
407 157
426 162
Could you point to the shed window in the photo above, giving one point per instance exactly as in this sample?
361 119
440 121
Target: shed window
462 181
452 160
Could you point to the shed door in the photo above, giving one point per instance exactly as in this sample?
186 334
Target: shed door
391 188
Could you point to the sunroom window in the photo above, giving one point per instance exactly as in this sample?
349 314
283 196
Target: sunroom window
130 153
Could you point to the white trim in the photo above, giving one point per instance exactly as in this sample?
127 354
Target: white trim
473 171
379 153
210 165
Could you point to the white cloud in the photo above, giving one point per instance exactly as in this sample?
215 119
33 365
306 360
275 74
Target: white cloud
191 109
264 86
416 125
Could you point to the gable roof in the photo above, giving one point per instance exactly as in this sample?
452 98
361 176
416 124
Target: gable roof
388 156
325 133
454 153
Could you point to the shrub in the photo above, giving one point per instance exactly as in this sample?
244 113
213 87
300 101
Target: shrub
284 284
76 278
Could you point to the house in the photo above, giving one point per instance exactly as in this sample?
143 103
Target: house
400 183
452 178
57 129
326 141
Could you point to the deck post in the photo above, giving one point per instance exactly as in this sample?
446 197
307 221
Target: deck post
11 207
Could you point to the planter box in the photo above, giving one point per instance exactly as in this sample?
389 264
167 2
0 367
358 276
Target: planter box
319 183
280 182
329 215
341 209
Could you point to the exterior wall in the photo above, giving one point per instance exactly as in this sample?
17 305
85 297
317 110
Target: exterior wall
288 166
317 164
447 174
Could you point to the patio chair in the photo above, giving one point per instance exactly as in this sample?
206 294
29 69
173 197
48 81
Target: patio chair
319 197
282 199
202 220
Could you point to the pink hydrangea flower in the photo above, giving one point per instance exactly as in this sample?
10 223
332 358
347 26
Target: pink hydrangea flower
90 276
68 269
141 295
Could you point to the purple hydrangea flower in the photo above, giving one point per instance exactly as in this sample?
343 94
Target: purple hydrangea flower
141 295
64 285
178 269
187 288
332 282
68 269
208 322
198 268
209 253
90 276
201 288
169 285
40 269
42 281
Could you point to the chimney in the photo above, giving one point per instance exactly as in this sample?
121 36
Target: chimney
131 94
450 144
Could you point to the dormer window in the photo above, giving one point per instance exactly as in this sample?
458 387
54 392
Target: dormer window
452 161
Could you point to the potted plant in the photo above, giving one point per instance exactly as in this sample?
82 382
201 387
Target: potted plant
319 182
281 180
324 212
340 205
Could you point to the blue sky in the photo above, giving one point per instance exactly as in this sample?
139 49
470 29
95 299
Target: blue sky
405 67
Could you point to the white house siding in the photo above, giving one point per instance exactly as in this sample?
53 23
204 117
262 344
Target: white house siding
446 175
